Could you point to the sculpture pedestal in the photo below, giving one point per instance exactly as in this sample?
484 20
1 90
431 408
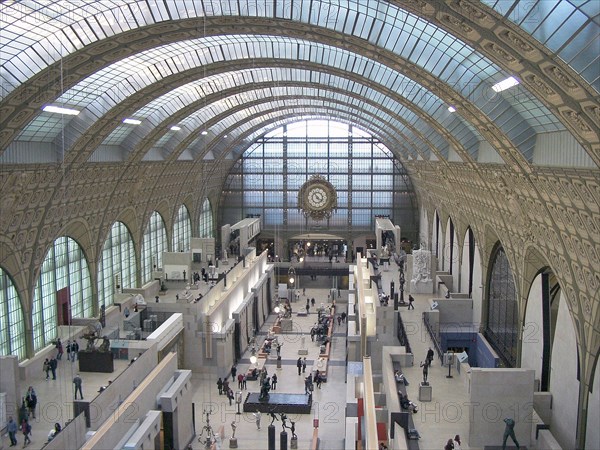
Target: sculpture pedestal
95 361
233 443
294 443
421 287
425 393
286 324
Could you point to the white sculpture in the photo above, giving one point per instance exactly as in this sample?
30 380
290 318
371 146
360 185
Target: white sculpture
421 282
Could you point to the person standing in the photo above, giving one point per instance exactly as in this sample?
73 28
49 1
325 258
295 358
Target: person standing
274 382
220 386
240 378
68 348
429 357
59 348
233 372
26 430
257 416
12 428
457 442
46 368
31 401
74 350
410 302
299 365
53 364
244 380
304 364
126 312
77 382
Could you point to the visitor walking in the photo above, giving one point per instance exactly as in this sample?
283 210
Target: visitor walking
410 302
53 364
31 401
46 368
274 382
299 365
59 349
77 382
304 364
220 386
26 430
257 416
12 428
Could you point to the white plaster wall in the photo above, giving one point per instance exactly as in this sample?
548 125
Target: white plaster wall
533 342
592 435
563 379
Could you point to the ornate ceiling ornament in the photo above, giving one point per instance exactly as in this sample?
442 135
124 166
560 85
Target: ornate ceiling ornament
317 198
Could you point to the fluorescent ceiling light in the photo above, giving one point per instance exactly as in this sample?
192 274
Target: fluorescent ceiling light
505 84
451 109
60 110
132 121
204 133
175 128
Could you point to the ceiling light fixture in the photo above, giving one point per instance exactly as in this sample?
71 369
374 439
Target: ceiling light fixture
61 110
175 128
451 109
505 84
132 121
204 133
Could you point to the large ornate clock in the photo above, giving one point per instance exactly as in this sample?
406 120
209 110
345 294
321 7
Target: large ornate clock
317 198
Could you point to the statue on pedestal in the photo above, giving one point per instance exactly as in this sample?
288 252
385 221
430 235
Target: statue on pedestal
233 427
264 390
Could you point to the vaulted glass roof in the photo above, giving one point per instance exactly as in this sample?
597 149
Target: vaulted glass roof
408 70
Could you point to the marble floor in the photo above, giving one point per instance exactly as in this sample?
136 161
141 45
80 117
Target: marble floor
436 421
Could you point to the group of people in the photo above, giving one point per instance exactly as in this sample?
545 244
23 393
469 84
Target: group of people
13 429
453 444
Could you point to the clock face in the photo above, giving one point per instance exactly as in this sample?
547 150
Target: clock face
317 197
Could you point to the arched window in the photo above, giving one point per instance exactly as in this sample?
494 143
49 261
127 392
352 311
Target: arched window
502 325
153 246
117 266
12 324
368 179
206 220
182 230
63 290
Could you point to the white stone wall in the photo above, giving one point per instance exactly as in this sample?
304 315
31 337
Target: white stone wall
563 379
592 435
533 342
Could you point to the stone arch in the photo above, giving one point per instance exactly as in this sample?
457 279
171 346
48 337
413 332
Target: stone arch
471 280
501 320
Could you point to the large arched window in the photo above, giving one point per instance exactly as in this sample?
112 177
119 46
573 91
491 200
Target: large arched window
368 179
12 324
153 246
206 220
63 290
502 324
182 230
117 267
